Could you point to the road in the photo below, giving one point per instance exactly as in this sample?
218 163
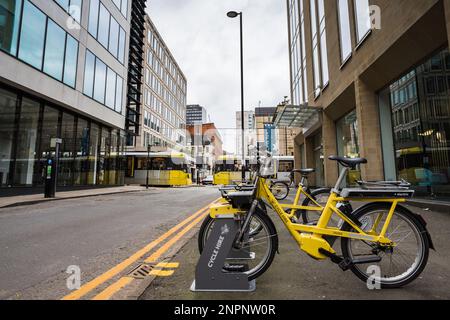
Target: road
295 276
39 242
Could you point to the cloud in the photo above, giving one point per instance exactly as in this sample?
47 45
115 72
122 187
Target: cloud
205 43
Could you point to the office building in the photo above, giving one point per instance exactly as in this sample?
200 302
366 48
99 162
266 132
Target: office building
206 145
163 115
196 114
372 79
277 140
63 74
249 132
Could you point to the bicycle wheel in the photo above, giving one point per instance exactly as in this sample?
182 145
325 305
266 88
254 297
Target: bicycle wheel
399 265
280 190
261 241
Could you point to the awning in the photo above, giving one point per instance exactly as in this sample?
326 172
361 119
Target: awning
291 116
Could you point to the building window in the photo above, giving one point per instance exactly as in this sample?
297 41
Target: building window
319 44
72 7
8 103
347 142
54 52
344 29
362 16
32 36
40 35
27 142
103 27
418 143
9 25
71 61
298 52
100 81
122 5
102 84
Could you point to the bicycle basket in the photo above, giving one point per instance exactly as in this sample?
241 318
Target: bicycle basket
267 168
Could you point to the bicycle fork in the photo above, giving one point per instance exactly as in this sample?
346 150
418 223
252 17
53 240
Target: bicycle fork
240 236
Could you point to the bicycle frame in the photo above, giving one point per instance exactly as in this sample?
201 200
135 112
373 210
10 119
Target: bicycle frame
310 238
295 206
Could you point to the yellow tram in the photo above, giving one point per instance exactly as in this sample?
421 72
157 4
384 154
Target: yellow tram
226 170
166 169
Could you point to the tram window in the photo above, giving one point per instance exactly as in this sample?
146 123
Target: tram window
158 164
285 166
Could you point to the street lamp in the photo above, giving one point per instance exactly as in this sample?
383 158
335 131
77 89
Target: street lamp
234 14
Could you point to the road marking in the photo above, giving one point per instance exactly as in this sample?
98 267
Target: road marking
158 253
168 265
115 287
162 273
88 287
105 294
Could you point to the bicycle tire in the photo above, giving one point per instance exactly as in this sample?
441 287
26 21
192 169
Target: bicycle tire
421 232
264 218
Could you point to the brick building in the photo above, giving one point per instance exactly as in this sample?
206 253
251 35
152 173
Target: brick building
380 93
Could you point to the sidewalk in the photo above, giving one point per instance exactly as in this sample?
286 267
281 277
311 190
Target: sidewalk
37 198
430 204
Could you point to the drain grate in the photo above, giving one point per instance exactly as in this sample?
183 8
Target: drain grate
142 271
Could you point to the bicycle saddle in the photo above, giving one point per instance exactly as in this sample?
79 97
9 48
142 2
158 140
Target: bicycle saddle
304 172
348 162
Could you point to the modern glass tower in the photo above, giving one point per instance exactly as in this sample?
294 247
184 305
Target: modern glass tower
63 74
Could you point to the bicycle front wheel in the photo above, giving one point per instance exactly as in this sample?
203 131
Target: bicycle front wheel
400 264
258 248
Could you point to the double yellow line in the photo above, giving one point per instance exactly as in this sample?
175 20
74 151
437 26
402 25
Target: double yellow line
123 281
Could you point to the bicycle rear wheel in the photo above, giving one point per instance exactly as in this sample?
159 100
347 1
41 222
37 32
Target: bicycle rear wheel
399 265
261 240
280 190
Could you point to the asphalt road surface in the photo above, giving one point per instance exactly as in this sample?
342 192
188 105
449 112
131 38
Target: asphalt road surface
39 242
294 275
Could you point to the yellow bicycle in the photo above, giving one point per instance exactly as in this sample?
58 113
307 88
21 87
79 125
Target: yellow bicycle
382 233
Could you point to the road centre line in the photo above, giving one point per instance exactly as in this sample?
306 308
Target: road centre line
86 288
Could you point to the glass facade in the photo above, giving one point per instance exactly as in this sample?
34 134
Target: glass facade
105 28
43 45
72 7
9 25
102 84
347 142
90 153
419 105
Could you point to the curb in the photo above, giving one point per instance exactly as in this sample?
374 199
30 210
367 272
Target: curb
31 202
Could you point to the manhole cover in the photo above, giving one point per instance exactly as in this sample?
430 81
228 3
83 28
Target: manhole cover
142 271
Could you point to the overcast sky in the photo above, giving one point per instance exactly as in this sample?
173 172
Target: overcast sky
205 43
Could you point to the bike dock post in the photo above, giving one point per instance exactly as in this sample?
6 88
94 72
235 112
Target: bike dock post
210 274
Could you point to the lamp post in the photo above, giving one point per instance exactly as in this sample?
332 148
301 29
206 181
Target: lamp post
234 14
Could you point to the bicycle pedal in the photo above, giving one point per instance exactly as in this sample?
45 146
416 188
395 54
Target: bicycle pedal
345 264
